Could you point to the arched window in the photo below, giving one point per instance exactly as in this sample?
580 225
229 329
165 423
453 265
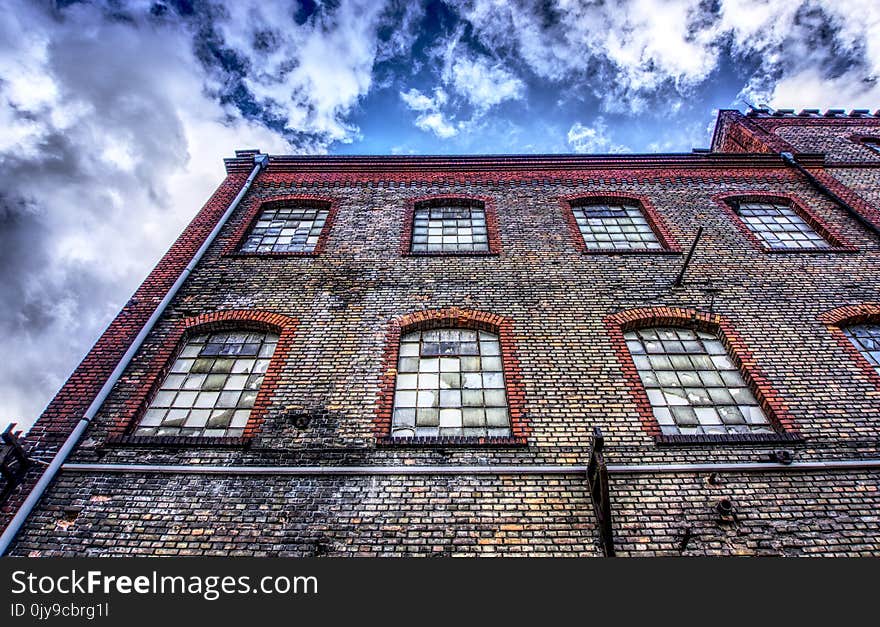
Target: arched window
450 382
450 226
614 225
866 338
211 386
779 226
692 383
287 227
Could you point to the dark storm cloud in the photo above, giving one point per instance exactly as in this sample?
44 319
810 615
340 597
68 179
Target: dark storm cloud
94 131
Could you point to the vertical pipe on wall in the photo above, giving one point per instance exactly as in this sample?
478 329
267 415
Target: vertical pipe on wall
260 161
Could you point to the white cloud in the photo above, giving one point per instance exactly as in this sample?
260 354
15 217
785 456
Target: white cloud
636 53
482 84
472 79
310 74
593 139
437 124
405 18
417 101
819 60
645 45
809 89
430 118
103 169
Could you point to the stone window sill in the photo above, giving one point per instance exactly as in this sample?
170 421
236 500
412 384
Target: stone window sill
728 438
444 441
176 441
458 253
627 251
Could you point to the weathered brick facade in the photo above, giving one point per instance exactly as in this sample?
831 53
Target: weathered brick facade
560 315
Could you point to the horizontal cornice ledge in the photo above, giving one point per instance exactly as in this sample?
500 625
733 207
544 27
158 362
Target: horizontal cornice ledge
536 163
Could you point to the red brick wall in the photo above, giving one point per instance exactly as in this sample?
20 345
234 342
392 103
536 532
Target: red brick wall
552 305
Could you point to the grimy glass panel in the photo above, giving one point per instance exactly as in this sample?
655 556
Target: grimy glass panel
779 226
211 386
450 383
286 230
866 337
692 383
615 227
449 228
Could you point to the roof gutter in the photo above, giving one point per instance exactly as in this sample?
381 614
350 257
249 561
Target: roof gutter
55 465
791 160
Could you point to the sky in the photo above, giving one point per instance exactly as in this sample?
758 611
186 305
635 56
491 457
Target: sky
115 115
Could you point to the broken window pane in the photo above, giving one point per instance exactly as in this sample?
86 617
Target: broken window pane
212 392
693 385
287 229
779 226
458 393
615 227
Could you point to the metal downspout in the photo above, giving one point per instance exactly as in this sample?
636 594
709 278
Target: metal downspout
260 161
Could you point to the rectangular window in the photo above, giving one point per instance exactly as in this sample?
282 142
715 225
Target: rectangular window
450 228
615 227
779 226
211 386
286 229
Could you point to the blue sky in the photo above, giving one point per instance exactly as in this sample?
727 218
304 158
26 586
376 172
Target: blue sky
118 108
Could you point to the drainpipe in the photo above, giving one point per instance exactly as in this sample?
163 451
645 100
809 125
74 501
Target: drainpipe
790 159
260 161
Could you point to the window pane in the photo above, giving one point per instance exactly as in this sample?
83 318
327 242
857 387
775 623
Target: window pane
779 226
866 338
450 228
693 389
288 229
615 227
459 388
207 395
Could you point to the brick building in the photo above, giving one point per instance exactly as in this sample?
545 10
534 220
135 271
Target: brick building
411 356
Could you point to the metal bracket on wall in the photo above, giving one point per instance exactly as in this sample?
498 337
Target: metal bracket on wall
14 461
597 478
687 260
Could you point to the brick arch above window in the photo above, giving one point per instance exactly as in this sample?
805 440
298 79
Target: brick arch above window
257 206
730 201
452 317
162 358
570 203
838 319
486 203
768 398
